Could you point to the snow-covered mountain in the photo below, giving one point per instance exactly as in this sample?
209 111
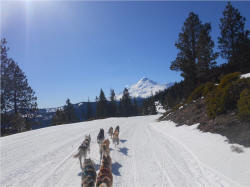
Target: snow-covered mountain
145 88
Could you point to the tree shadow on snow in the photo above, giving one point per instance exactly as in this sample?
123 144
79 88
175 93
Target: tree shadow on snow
124 150
123 141
111 149
115 168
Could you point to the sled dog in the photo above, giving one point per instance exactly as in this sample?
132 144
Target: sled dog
105 178
82 149
106 161
117 128
116 138
110 132
88 173
104 148
100 136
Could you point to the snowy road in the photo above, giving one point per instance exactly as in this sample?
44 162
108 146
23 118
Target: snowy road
147 156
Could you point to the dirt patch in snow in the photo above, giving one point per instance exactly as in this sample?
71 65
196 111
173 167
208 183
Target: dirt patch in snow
227 125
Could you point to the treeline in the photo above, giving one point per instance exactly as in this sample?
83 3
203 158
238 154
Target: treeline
125 107
196 58
18 100
105 108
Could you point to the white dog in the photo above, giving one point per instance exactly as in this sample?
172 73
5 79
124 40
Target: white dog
82 149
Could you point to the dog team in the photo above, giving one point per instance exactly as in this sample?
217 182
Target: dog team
89 175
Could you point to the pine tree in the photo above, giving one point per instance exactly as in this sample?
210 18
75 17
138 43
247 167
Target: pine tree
101 109
232 30
187 44
153 110
5 78
70 112
59 118
145 107
196 56
205 54
16 95
135 107
18 122
89 111
112 104
126 105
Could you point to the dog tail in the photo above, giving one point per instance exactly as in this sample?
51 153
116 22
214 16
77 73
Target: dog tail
76 155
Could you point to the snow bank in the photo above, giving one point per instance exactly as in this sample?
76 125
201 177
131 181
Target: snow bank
159 108
247 75
212 150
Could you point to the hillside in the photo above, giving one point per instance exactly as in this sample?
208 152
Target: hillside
218 108
45 115
150 153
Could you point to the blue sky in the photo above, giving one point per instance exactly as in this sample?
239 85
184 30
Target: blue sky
72 49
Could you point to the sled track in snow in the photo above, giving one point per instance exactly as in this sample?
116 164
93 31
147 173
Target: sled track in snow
146 157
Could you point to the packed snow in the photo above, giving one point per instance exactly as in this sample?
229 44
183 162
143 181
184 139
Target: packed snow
247 75
150 153
145 88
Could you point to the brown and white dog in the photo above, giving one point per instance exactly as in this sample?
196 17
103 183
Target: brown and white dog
105 177
116 138
88 173
104 148
110 132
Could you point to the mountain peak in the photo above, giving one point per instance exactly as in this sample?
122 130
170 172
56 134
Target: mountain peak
143 79
145 88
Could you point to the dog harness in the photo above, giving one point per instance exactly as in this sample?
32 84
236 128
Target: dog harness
88 171
105 173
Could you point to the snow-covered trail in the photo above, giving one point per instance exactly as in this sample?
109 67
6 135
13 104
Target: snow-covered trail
146 156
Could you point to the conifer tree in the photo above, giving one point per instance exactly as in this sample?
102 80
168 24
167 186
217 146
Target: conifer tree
195 57
5 78
69 112
59 118
101 109
205 55
16 95
18 122
232 28
135 107
152 106
145 107
112 104
187 45
126 105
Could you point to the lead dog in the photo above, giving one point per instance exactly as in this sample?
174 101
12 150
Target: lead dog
116 138
88 173
82 149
